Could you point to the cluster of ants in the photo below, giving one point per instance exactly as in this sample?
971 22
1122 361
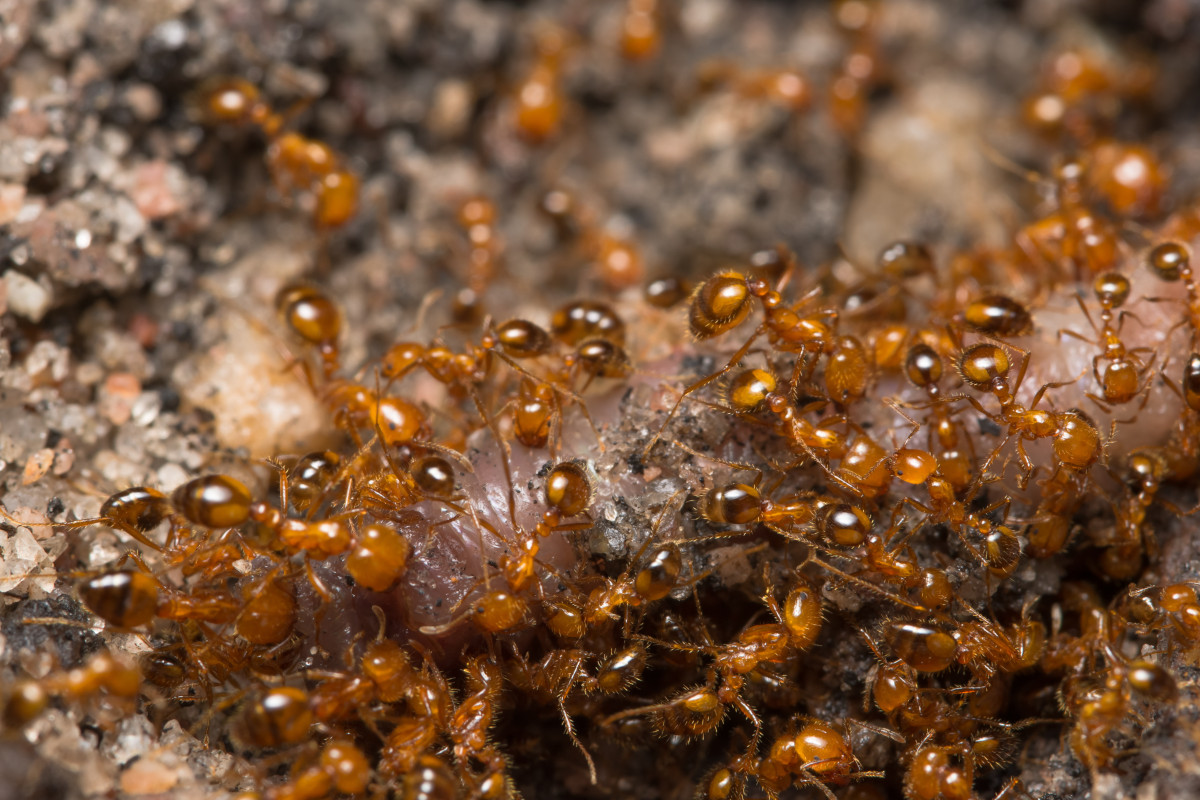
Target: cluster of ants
857 540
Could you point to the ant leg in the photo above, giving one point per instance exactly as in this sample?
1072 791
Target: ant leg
1087 314
326 599
1053 385
1099 401
506 454
1125 313
133 532
807 778
1096 368
991 457
1005 502
878 730
865 584
1012 784
1025 355
570 726
738 465
698 385
1177 325
954 398
1027 466
895 405
748 712
1067 332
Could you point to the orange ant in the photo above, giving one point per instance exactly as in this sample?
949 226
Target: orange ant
923 366
477 217
1072 234
1077 442
723 302
26 699
786 87
1170 262
641 30
295 161
539 100
1122 379
816 754
1001 546
860 71
615 256
1131 536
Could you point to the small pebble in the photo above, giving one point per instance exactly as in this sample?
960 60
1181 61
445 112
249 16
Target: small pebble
37 466
26 297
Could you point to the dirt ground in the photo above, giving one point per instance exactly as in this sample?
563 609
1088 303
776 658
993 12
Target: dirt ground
142 249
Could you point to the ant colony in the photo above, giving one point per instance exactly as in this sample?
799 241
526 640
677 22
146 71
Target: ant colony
761 524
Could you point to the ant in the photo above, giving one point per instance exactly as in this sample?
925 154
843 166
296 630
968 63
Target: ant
296 162
785 87
1001 549
723 302
860 71
816 754
641 30
1122 379
1072 234
26 699
1171 261
539 101
923 366
477 217
1077 441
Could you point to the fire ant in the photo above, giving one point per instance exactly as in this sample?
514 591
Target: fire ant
785 87
26 699
1122 379
1077 442
924 366
609 248
641 30
1001 549
210 502
723 302
477 217
539 101
296 162
816 754
860 71
1170 262
1072 234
